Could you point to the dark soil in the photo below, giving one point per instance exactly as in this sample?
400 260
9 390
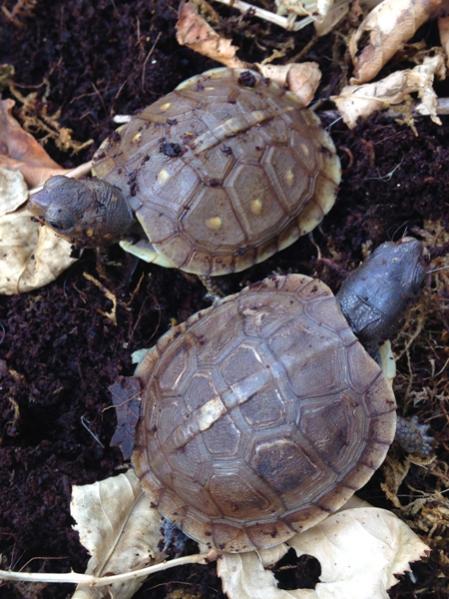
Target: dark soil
59 352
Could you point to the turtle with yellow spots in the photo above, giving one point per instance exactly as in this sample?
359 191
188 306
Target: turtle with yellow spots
212 178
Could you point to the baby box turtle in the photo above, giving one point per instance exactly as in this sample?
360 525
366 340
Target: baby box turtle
216 176
264 413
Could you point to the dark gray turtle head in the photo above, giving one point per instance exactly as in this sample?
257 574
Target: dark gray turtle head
374 297
89 212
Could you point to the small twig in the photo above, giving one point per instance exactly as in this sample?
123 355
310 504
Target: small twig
147 58
85 422
112 314
288 23
101 581
75 173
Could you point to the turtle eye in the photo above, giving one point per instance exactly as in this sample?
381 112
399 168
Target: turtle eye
56 225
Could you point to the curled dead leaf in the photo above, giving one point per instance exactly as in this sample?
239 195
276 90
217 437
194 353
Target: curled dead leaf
360 551
120 530
357 101
194 32
394 471
386 28
300 78
20 151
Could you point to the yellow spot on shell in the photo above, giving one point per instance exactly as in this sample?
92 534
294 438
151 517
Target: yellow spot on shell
136 137
256 206
163 176
214 223
305 149
209 88
165 106
289 177
90 232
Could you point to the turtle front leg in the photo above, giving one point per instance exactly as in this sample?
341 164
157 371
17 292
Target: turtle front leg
175 540
215 292
412 436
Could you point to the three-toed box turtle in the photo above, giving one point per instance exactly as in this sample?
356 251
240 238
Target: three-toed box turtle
215 176
264 413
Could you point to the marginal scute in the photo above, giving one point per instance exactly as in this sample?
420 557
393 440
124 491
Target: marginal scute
238 171
259 417
236 497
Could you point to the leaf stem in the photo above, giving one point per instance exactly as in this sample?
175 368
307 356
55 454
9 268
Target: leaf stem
94 581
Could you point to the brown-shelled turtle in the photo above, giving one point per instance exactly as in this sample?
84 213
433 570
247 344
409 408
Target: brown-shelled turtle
264 413
216 176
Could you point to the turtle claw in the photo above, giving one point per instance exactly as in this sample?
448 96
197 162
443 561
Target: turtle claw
412 436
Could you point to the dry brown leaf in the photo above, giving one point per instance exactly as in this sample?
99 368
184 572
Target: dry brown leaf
360 551
126 398
357 101
30 255
300 78
20 151
195 33
443 28
386 28
394 471
120 530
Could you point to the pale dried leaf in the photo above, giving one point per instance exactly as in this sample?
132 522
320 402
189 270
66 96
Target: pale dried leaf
357 101
120 530
30 255
443 28
13 190
20 151
386 28
305 7
360 551
300 78
422 78
195 33
332 18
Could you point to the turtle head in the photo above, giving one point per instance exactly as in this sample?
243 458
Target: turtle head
89 212
374 297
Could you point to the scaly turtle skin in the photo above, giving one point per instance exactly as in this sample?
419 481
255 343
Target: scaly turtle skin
220 174
264 413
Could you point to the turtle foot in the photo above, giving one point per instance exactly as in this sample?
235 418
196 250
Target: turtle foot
412 436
